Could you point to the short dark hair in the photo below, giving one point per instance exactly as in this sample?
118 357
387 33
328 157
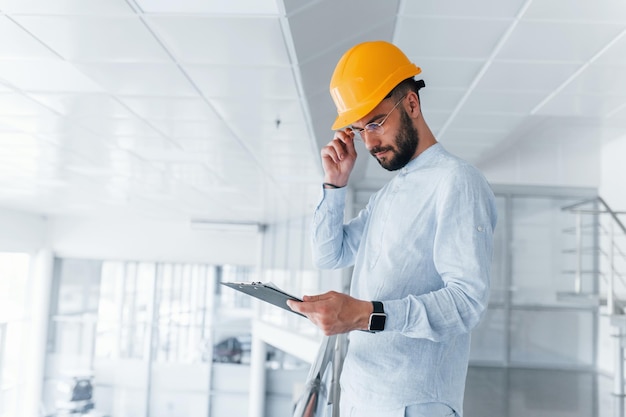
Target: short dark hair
405 86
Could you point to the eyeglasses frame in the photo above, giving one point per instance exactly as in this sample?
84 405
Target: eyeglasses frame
376 127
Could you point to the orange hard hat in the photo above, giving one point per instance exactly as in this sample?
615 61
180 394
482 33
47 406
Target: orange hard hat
364 75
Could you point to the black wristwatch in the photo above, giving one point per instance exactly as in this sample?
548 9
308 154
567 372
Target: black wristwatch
377 318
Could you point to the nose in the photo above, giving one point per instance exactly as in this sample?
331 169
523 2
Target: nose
370 141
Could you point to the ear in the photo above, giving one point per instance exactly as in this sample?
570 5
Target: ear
413 108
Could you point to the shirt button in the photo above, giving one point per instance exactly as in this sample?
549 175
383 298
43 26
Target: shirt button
480 228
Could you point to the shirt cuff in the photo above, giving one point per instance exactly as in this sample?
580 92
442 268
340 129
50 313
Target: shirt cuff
396 315
332 196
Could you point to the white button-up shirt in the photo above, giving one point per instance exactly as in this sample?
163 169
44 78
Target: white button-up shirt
422 246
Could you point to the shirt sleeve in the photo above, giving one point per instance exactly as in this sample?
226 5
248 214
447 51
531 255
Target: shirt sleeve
335 244
463 245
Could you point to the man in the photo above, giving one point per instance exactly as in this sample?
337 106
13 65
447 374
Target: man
421 248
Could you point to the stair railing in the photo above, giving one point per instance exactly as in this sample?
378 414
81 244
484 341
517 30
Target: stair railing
613 254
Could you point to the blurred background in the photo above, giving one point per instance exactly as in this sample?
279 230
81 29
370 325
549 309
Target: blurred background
151 149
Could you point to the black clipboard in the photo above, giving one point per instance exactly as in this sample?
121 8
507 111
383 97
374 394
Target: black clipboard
265 291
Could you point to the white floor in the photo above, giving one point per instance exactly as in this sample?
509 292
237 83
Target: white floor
499 392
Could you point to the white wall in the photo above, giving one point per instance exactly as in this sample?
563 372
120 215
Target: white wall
21 232
130 239
148 240
613 174
563 156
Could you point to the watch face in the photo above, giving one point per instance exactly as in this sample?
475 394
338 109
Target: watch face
377 322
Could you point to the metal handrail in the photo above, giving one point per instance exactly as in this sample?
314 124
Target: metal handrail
605 209
612 303
321 392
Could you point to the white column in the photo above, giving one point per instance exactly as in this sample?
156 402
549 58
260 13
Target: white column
35 350
258 349
256 406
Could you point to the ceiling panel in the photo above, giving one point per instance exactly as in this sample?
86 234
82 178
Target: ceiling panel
95 38
239 81
583 105
170 108
615 53
269 111
599 79
448 37
463 9
143 79
440 99
80 142
503 101
469 119
529 76
224 40
77 105
479 137
618 117
447 73
558 41
41 124
45 76
341 21
608 11
45 7
23 45
245 7
120 128
211 132
14 103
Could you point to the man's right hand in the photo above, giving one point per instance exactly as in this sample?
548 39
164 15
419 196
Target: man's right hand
338 158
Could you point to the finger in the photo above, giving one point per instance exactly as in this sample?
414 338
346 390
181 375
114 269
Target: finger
345 136
350 146
335 150
294 305
306 306
331 153
350 133
303 308
341 146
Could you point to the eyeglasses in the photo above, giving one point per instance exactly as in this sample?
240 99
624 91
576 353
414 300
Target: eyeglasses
375 128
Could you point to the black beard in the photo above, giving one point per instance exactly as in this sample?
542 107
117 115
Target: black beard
407 140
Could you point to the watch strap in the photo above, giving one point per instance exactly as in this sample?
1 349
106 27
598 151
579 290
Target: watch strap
378 307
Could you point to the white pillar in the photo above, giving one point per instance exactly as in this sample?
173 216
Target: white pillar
258 349
256 406
35 350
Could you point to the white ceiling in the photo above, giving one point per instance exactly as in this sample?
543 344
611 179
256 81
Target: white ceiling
216 109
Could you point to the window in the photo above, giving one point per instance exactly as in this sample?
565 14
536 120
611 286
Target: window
113 317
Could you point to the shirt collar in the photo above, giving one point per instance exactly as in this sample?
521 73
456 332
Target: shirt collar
423 159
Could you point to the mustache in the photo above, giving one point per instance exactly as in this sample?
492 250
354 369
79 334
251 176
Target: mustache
378 149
